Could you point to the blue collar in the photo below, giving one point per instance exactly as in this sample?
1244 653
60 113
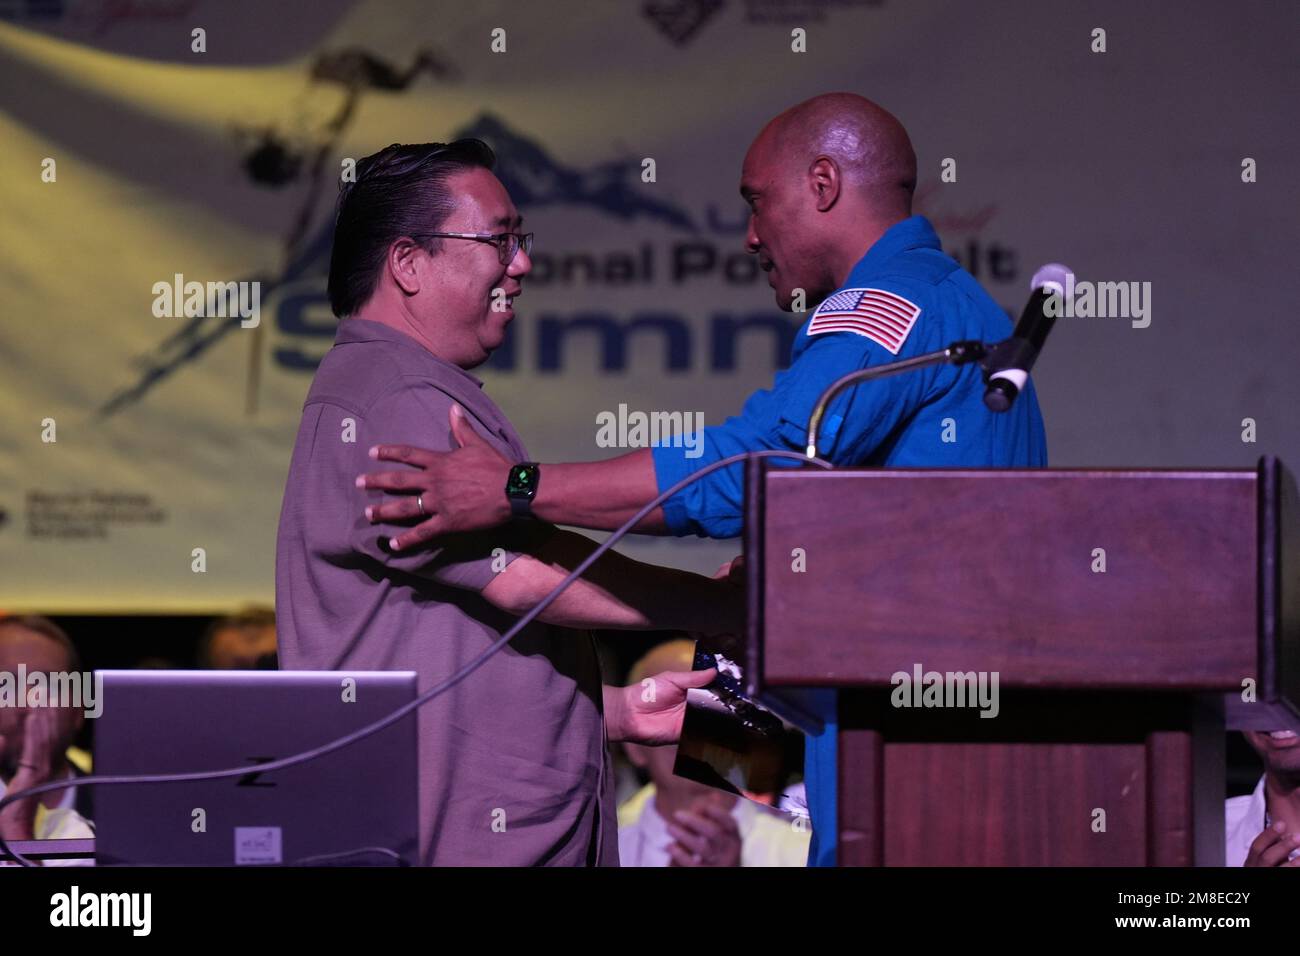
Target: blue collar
913 233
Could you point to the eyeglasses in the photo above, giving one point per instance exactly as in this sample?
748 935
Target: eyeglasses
508 243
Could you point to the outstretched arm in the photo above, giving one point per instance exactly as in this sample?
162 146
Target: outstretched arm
464 489
616 592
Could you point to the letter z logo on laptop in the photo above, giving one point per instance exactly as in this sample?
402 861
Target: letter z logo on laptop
881 316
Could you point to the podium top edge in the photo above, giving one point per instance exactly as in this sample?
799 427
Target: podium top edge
856 471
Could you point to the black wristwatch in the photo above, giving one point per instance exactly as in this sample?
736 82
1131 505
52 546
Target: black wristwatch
521 488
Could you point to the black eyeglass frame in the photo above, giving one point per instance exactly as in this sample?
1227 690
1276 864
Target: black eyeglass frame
508 243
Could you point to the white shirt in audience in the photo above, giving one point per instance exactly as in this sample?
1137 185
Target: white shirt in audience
1243 821
60 823
767 838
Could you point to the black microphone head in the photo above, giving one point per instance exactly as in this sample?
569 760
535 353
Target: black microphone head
1000 394
1006 366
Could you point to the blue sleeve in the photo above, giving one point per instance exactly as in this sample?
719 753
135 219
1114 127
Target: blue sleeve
778 418
820 773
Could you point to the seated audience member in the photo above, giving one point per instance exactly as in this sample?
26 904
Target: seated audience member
241 642
673 821
35 740
1263 829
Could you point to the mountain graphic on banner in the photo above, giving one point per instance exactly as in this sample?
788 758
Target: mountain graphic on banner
534 179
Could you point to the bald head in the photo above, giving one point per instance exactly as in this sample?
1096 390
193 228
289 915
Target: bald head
824 180
675 655
870 147
38 643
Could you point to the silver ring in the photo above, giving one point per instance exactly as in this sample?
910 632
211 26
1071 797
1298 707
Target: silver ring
419 500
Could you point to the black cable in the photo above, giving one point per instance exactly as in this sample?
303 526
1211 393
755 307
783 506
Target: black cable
383 722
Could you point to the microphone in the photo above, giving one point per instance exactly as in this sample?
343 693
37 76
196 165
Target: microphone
1007 365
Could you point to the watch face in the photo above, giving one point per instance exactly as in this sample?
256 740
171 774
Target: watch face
522 482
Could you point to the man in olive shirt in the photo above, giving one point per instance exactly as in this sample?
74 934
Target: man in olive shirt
513 760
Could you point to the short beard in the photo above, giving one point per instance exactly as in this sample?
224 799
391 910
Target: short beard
1288 777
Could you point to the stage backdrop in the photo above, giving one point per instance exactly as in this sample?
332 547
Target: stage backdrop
138 152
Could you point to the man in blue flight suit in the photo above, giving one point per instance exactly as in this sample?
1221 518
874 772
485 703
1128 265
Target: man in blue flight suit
829 184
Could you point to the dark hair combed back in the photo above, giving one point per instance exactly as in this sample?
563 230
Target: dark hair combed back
399 191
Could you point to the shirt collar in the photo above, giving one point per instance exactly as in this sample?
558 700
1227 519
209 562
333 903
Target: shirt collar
364 330
655 827
69 799
1257 810
913 233
1245 823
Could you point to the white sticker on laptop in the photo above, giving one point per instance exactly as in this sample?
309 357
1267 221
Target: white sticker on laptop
257 845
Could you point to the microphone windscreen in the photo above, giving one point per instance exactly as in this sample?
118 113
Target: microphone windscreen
1051 277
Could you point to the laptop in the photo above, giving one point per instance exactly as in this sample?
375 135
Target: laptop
354 807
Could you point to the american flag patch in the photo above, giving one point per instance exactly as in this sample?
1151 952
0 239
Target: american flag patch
881 316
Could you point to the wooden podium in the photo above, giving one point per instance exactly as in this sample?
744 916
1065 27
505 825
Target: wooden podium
1124 612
